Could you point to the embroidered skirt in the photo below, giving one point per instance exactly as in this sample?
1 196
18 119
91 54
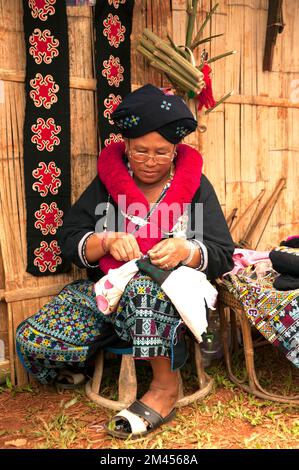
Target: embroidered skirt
70 327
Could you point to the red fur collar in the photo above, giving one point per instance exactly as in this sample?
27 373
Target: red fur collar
114 174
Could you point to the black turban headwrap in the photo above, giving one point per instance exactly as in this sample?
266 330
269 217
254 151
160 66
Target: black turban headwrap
148 109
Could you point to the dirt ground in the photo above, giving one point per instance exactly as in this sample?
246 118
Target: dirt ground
39 417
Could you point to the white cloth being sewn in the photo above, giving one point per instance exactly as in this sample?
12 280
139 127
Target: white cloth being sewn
189 289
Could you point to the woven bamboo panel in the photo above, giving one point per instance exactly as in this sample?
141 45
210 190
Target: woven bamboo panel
32 292
253 142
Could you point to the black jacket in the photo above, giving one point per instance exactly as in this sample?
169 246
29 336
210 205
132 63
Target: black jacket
81 218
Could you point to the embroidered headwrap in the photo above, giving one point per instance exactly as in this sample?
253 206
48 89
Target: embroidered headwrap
148 109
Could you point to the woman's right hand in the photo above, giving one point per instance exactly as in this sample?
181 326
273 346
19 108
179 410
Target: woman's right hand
122 246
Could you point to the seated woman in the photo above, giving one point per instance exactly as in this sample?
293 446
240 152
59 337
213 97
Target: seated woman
154 172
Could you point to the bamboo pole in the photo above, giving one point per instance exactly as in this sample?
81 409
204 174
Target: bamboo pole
255 203
78 83
173 65
81 83
263 216
204 40
220 56
192 10
160 44
208 17
178 49
161 66
11 346
31 292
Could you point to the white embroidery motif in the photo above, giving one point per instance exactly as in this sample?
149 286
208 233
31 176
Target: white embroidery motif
180 228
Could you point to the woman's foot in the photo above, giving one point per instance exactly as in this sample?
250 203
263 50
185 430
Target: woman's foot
155 408
162 398
158 399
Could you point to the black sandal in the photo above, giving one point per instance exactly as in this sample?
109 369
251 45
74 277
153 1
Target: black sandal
129 422
67 380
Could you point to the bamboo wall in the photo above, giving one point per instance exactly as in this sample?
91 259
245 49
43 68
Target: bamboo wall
251 141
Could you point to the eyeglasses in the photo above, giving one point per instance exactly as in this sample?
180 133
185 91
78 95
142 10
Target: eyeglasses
160 158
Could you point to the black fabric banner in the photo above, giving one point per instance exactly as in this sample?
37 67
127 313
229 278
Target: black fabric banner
113 22
46 133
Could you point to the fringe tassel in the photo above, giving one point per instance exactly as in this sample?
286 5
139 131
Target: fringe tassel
205 97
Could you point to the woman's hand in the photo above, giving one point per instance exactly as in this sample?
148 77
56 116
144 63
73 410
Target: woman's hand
122 246
168 253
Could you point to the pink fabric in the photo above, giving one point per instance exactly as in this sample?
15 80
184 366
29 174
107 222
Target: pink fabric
292 237
115 176
243 258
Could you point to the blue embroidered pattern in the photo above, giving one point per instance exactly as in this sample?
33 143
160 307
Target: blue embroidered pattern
166 105
129 121
182 131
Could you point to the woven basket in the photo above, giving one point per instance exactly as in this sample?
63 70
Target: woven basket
227 298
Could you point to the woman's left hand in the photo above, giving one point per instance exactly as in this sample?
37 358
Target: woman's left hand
168 253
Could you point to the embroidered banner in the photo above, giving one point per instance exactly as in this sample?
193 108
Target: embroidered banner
113 21
46 133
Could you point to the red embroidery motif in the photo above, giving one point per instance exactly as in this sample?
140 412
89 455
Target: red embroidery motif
42 8
113 138
45 134
44 91
114 30
49 218
113 71
116 3
48 178
44 47
111 104
47 256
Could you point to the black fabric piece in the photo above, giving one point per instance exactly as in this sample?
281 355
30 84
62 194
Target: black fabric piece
180 353
157 274
285 263
293 243
286 282
148 109
113 24
48 192
216 237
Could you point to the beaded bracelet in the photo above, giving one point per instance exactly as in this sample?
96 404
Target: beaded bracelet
83 253
203 257
104 247
190 256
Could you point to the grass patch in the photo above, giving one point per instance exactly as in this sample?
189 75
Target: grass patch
15 389
59 433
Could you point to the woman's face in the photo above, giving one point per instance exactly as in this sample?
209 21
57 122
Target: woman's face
152 144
